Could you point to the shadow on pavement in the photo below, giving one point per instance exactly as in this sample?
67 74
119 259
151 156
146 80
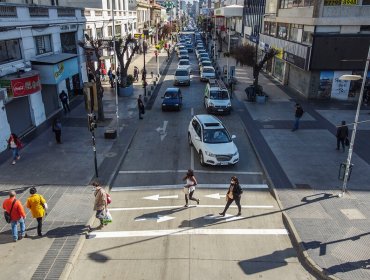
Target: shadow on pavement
267 262
66 231
348 266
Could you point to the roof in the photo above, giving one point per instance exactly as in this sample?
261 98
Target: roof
52 59
208 119
208 67
172 89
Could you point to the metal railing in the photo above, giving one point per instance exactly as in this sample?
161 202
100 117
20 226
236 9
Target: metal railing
6 11
66 12
38 11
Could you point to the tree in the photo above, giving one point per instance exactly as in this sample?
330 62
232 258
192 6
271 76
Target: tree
247 55
165 31
94 47
122 46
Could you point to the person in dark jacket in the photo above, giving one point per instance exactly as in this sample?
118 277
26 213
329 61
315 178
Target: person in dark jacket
234 193
342 135
140 106
64 99
298 115
57 129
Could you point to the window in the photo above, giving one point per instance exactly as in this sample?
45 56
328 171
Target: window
68 41
294 34
118 30
99 33
266 27
110 31
43 44
10 50
307 35
282 30
273 29
365 28
287 4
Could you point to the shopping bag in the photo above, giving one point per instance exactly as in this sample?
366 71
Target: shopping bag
108 217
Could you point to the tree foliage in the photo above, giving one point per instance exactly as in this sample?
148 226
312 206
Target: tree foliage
246 55
95 46
122 46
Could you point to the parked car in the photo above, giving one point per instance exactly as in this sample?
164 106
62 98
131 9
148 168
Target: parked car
182 77
204 60
212 141
203 55
184 64
172 99
205 63
207 73
217 98
190 47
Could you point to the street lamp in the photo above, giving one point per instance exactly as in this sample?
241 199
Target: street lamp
115 65
144 70
228 52
350 151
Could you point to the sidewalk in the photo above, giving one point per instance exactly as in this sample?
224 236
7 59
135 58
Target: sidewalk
62 174
331 233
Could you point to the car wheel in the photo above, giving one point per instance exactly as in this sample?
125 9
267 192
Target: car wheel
201 159
189 140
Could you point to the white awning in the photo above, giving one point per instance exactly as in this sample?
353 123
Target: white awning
233 11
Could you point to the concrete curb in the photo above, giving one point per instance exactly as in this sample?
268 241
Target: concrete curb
303 256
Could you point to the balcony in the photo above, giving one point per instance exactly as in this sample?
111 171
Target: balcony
6 11
66 12
98 13
38 11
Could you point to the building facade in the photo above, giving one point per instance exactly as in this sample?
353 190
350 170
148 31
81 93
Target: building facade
318 41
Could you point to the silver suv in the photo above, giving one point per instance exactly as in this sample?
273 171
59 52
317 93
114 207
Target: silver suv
217 98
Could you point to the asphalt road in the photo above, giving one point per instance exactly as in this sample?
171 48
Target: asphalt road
154 237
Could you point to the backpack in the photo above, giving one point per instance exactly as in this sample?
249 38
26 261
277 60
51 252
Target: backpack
7 215
109 199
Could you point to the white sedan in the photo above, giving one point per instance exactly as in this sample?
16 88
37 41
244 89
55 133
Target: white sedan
184 64
207 72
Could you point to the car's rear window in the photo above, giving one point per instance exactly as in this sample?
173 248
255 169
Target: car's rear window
184 62
208 70
181 73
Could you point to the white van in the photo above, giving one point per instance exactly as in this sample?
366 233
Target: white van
217 98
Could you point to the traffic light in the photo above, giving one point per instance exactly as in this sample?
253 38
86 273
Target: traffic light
92 122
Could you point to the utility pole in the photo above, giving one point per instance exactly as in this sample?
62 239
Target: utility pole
115 65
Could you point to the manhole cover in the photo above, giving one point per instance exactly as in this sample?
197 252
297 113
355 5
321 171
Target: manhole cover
353 214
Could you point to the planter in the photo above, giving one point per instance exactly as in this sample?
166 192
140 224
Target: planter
261 99
126 91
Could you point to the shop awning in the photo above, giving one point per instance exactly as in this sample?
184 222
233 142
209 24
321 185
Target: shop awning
233 11
52 59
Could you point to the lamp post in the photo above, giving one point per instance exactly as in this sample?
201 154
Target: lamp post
115 60
214 39
144 70
350 150
227 59
156 38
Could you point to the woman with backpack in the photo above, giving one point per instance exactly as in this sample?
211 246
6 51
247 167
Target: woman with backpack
15 145
189 188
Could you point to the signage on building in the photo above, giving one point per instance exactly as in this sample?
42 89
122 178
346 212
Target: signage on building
138 35
70 27
295 60
340 88
18 87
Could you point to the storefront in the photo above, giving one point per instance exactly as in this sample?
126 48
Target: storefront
23 104
58 72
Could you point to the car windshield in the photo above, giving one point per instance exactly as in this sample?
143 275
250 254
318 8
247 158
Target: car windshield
184 62
181 73
170 95
219 94
208 70
216 136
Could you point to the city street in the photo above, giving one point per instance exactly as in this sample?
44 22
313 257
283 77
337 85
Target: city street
153 231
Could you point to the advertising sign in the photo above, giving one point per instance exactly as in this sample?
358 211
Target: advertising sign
65 69
326 81
340 88
18 87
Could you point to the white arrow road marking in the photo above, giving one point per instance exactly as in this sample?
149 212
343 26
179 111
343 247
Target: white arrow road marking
159 219
227 217
186 231
162 130
195 206
157 196
215 195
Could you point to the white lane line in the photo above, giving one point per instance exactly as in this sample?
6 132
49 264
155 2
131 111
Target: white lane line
186 231
192 206
191 158
180 187
184 171
192 111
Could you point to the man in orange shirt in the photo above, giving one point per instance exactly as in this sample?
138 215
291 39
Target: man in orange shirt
17 214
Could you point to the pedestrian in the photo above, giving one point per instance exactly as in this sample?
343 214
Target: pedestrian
103 73
15 144
64 99
189 188
113 80
90 76
57 129
168 54
37 204
234 193
100 203
17 215
110 76
140 106
298 115
136 74
342 135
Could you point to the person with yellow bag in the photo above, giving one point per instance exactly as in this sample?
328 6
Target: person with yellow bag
37 204
234 193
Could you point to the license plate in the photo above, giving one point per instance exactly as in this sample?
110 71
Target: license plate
220 110
224 163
